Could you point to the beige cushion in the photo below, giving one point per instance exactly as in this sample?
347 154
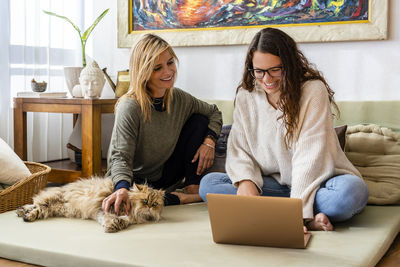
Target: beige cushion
183 238
375 152
12 168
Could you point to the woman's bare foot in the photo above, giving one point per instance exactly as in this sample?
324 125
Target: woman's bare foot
191 189
320 222
187 198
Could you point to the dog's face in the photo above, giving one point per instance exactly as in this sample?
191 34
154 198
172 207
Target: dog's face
146 203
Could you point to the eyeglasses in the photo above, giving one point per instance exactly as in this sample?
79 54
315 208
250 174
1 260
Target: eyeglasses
273 72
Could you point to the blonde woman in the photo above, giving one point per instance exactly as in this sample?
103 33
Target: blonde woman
282 141
161 134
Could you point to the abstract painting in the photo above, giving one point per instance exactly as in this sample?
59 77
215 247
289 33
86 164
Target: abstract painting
195 14
229 22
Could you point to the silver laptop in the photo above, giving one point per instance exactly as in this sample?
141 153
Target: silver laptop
257 221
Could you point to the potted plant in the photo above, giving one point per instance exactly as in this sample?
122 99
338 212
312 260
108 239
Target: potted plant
85 35
72 73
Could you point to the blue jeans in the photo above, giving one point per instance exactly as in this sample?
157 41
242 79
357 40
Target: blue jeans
340 197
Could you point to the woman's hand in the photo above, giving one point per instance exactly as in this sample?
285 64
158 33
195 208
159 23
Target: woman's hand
116 198
205 155
247 188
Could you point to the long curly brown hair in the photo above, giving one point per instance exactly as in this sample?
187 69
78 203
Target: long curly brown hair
296 70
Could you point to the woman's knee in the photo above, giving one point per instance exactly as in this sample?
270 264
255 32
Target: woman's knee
193 132
213 183
206 184
354 191
197 120
345 196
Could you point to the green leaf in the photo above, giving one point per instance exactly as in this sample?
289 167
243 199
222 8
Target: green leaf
63 17
86 34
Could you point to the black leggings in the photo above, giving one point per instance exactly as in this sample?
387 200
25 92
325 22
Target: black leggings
180 165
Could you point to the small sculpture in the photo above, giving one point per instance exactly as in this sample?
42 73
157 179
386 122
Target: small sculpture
38 87
77 91
92 81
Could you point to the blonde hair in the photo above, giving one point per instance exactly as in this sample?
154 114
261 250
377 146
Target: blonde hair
143 59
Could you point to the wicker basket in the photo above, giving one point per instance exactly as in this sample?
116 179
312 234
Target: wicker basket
22 191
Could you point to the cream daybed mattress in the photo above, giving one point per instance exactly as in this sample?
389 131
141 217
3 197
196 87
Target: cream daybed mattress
183 238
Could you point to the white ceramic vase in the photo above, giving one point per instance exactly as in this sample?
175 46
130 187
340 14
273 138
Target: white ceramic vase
71 75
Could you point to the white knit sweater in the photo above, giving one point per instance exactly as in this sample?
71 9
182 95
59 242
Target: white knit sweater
256 144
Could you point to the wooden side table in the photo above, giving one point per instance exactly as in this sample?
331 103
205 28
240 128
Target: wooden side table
90 110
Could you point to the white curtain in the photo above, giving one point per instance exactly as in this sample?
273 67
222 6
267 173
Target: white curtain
5 110
36 45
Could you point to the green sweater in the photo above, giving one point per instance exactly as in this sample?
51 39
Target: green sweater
140 149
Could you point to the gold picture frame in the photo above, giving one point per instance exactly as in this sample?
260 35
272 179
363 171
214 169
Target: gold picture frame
374 29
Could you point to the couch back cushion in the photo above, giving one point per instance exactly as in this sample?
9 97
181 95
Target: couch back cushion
384 113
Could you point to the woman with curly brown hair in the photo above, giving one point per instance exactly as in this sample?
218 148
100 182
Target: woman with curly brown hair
283 142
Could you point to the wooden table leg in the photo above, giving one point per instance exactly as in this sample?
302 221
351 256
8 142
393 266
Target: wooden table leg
20 146
75 118
91 140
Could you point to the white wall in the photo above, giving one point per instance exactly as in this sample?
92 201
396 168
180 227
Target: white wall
363 70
